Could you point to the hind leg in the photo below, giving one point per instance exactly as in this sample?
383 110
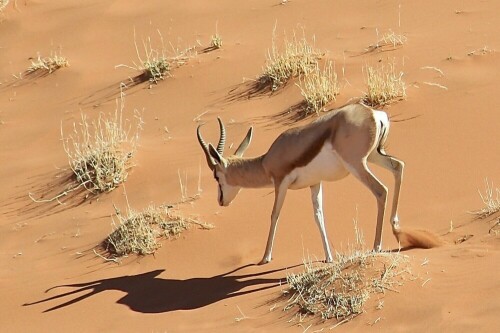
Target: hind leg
396 167
361 171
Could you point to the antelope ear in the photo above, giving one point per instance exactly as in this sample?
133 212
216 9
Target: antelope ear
215 154
244 144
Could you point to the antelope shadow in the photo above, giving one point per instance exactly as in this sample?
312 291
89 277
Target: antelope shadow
149 293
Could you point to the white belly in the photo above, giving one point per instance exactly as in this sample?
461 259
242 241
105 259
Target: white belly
326 166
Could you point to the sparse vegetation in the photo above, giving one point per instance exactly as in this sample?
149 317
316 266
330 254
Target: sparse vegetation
297 58
482 51
140 232
389 41
100 152
216 41
319 88
154 63
384 85
3 4
491 200
48 64
341 289
393 39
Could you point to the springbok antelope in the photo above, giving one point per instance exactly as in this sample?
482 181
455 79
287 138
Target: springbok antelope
327 149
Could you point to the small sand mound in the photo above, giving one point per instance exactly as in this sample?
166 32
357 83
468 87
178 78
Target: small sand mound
416 238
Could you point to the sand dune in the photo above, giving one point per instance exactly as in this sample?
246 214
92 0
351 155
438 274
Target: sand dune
207 280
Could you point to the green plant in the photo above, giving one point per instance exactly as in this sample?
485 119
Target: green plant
297 58
100 151
319 88
384 85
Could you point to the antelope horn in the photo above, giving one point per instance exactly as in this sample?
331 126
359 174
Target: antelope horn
244 144
222 140
210 161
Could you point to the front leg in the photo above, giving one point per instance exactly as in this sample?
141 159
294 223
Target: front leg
317 200
279 198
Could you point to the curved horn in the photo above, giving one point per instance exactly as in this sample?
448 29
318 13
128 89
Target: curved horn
244 144
210 161
222 140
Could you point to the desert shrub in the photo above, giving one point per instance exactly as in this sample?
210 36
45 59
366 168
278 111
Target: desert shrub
48 64
393 39
216 41
384 85
100 151
389 39
298 57
491 200
319 88
3 4
155 62
140 232
341 289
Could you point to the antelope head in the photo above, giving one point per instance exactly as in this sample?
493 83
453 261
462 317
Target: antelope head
220 165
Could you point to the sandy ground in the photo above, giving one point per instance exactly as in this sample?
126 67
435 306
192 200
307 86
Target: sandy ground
205 281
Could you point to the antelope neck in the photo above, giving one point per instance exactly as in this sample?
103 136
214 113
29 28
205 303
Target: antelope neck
248 173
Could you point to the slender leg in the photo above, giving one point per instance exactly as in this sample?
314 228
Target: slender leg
396 167
279 198
317 200
378 189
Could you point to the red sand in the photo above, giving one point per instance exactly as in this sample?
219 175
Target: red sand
202 281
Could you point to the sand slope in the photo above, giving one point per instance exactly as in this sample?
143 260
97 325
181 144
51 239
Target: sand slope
206 280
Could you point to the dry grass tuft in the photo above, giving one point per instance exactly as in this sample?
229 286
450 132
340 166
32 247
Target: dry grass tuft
100 151
298 58
482 51
341 289
491 200
319 88
393 39
155 63
3 4
139 232
385 85
216 41
48 64
389 41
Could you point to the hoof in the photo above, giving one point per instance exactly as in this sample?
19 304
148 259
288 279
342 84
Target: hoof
264 261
